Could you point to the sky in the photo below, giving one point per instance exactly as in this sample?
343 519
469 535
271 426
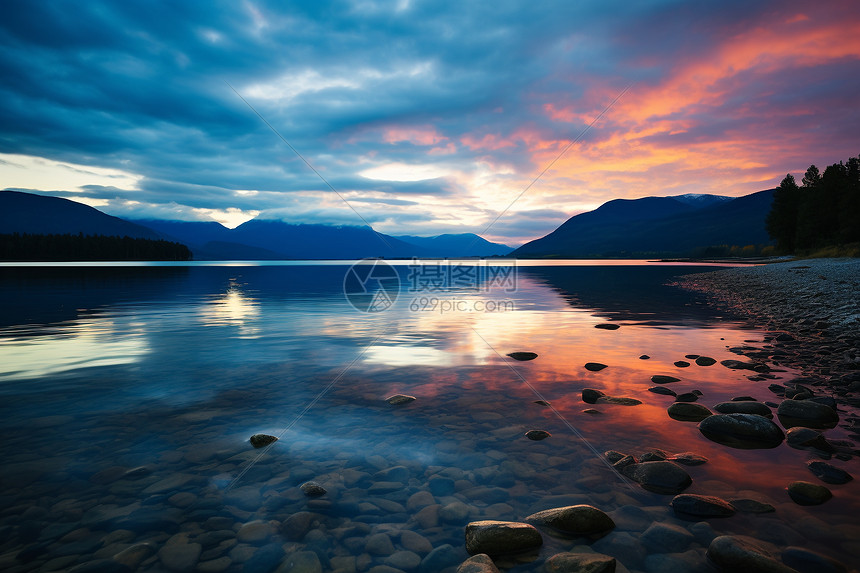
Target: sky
500 118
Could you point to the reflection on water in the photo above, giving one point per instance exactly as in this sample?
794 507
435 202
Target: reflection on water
137 389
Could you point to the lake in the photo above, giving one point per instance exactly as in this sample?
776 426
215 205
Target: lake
129 393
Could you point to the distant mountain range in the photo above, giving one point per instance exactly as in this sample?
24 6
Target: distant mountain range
258 239
680 226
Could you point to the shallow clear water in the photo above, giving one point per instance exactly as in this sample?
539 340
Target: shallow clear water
170 369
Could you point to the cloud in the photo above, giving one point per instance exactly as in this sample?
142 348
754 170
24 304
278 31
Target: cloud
427 117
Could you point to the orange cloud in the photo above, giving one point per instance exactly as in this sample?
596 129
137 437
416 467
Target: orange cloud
415 135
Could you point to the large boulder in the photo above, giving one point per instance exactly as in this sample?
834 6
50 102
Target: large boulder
659 477
501 537
806 413
574 520
742 553
743 431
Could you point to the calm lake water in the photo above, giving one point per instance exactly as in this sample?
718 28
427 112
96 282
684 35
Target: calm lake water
128 394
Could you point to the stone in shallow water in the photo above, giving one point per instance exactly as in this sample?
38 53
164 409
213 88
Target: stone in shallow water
522 356
480 563
686 397
702 505
666 538
806 493
705 361
743 407
618 400
591 411
594 366
828 473
802 438
537 435
399 399
682 364
644 357
660 477
687 412
662 390
805 560
501 537
751 506
664 379
313 489
590 395
180 556
580 563
742 553
607 326
806 413
574 520
299 562
541 403
262 440
738 365
742 431
688 459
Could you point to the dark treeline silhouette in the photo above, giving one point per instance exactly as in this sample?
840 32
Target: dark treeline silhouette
823 211
80 247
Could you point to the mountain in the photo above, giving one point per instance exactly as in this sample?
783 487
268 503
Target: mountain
196 233
42 215
657 226
457 245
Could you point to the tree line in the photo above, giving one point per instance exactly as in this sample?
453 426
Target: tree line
823 211
80 247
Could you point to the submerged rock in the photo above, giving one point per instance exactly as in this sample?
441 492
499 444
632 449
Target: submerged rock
664 379
501 537
803 559
313 489
742 431
828 473
687 397
618 400
522 356
594 366
537 435
662 390
702 505
751 506
591 411
806 493
659 477
742 553
580 563
262 440
805 438
607 326
399 399
480 563
743 407
738 365
574 520
687 412
541 403
688 459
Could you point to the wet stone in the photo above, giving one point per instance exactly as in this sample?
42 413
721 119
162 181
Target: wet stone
702 506
537 435
682 364
828 473
659 477
399 399
742 553
664 379
751 506
662 390
312 489
590 395
687 397
522 356
688 459
594 366
806 413
607 326
180 557
807 493
705 361
262 440
574 520
644 357
591 411
480 563
666 538
580 563
743 407
501 537
805 560
743 431
687 412
298 562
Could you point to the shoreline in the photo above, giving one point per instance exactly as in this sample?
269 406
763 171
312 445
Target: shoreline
812 308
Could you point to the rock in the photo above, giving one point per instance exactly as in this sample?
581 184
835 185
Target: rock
662 390
613 455
828 473
806 413
132 556
454 512
743 431
666 538
440 485
738 365
624 462
659 477
702 505
743 399
607 326
574 520
751 506
591 411
644 357
218 565
296 526
580 563
439 559
541 403
299 562
254 532
743 407
594 366
705 361
180 556
590 395
688 459
618 400
686 412
400 399
687 397
804 438
262 440
379 544
742 553
682 364
663 379
806 493
808 561
415 542
313 489
537 435
523 355
653 455
403 560
501 537
266 559
480 563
